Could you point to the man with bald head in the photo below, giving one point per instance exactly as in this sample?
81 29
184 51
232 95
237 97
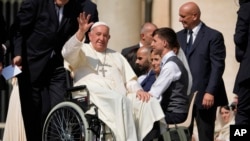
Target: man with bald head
143 62
145 40
205 51
111 82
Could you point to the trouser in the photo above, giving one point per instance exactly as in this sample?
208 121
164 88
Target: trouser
175 118
243 106
205 119
154 133
37 98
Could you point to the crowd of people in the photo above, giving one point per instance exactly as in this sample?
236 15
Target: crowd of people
141 89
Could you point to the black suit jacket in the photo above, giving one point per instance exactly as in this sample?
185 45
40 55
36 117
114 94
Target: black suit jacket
242 42
126 50
3 36
207 63
89 7
130 54
37 33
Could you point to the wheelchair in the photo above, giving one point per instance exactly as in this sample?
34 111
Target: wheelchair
68 121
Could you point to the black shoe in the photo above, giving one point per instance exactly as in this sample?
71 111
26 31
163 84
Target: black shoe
154 133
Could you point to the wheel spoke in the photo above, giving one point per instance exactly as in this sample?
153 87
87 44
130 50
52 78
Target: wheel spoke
64 124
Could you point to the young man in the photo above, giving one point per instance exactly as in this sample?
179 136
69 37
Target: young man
171 86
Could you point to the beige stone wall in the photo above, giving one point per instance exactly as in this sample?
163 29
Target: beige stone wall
161 14
125 18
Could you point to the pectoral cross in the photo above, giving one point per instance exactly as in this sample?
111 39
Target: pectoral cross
103 71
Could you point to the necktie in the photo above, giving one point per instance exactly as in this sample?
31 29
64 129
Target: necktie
190 41
59 14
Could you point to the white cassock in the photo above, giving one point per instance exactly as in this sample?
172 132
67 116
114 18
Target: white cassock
112 85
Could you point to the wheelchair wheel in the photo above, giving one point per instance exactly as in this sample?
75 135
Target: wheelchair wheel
66 122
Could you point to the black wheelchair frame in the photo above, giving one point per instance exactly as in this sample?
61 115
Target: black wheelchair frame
67 121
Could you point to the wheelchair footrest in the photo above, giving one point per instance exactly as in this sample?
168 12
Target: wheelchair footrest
94 124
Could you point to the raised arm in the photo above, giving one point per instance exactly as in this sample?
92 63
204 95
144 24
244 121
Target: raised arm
84 25
71 50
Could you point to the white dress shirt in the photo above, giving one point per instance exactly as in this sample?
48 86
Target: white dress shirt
169 72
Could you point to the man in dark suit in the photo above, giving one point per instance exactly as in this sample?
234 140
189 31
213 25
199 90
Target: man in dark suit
3 38
206 54
145 40
40 30
242 82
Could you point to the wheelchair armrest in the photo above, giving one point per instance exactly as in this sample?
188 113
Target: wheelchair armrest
76 88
